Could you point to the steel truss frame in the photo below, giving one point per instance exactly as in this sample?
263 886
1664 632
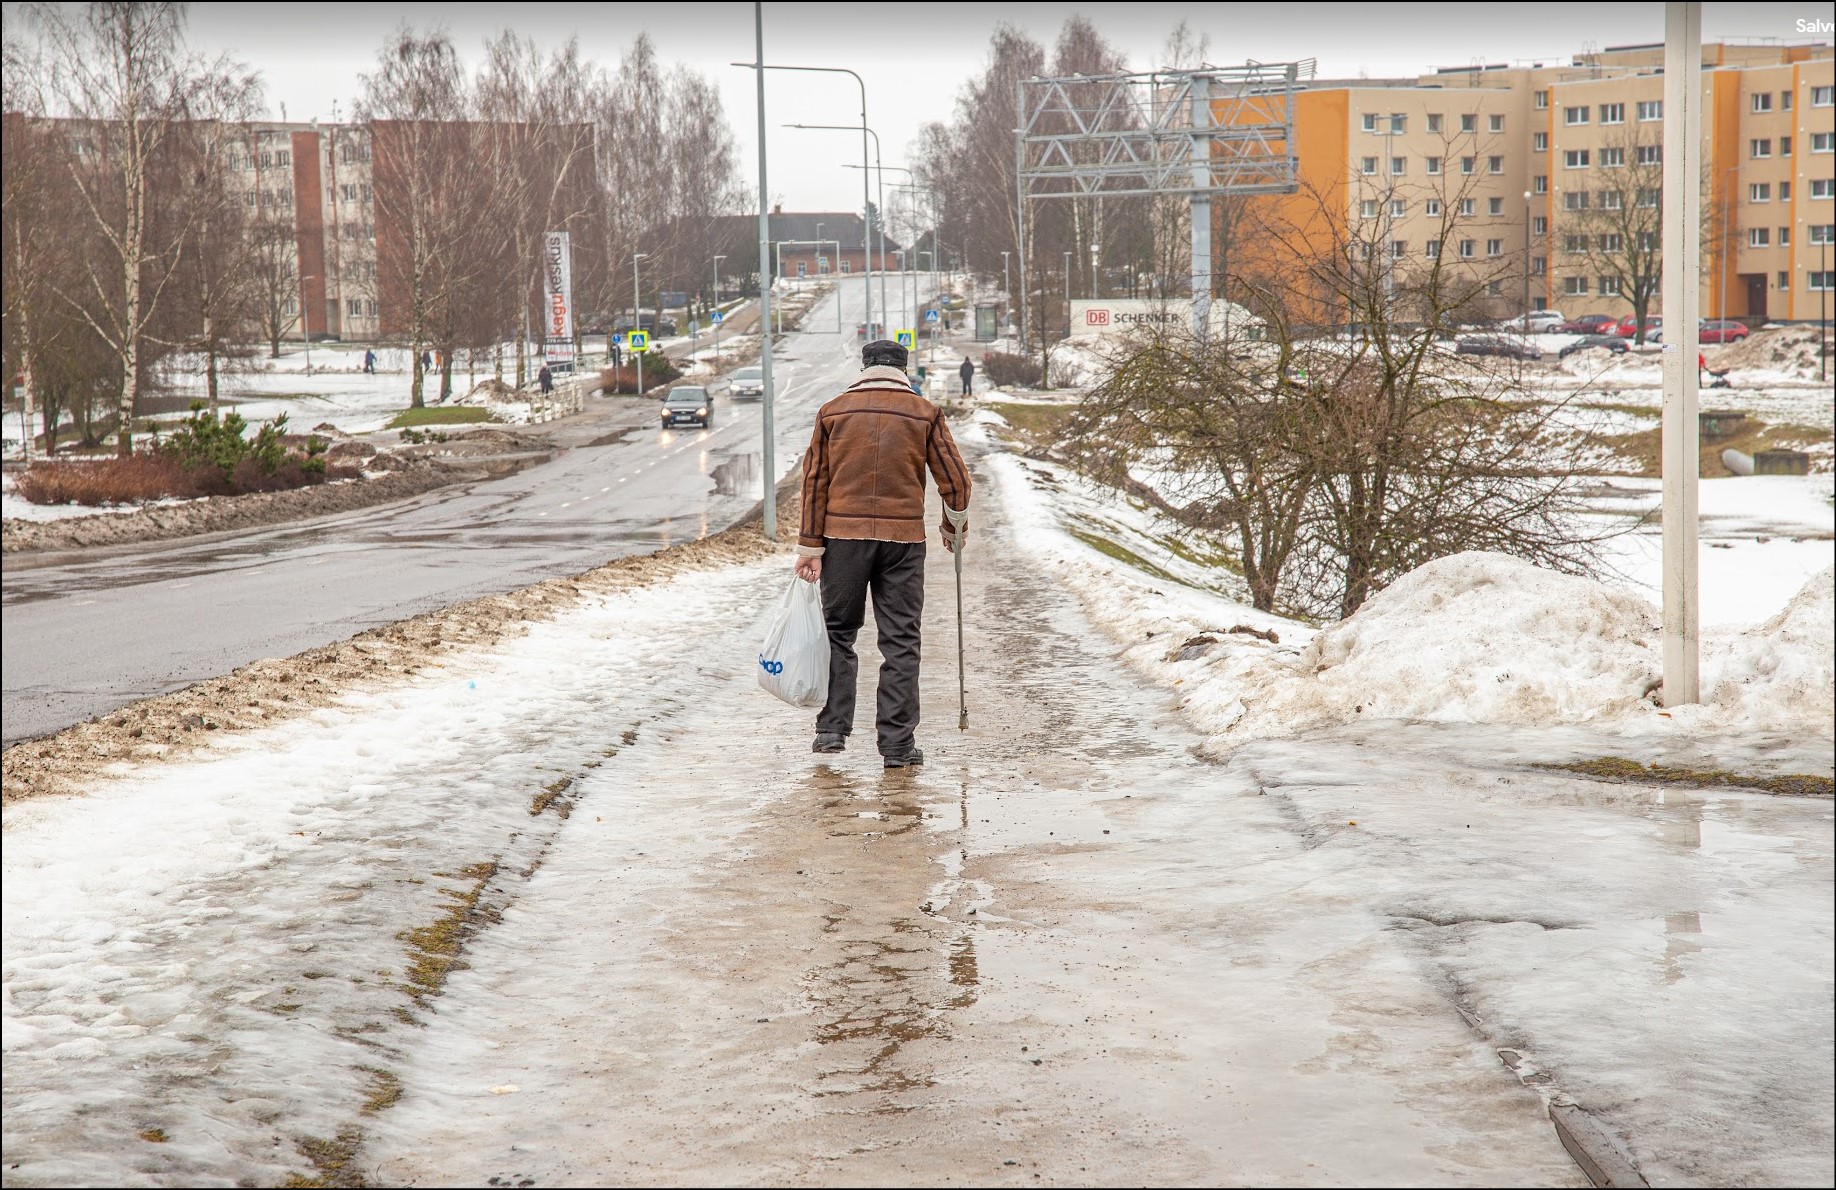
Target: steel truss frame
1190 133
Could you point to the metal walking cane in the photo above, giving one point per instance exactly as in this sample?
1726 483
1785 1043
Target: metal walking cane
957 522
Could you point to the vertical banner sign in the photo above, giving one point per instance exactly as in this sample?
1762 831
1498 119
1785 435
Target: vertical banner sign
557 300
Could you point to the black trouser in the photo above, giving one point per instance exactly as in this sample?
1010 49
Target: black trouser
894 572
965 386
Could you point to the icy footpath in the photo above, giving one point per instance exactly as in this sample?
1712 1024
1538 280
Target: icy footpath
205 962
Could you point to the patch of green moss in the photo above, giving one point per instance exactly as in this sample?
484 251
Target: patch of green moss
1618 768
433 949
1120 553
549 795
334 1159
385 1089
154 1136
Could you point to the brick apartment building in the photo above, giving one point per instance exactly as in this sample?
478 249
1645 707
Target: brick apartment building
812 244
1527 149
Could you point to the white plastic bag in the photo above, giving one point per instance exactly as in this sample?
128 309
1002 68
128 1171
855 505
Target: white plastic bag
794 661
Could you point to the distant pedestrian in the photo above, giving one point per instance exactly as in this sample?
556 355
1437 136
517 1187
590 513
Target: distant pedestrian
369 361
426 361
545 380
863 531
967 372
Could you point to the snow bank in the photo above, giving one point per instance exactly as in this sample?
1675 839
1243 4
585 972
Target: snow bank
1472 638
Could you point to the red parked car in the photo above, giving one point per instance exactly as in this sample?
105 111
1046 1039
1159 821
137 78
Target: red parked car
1721 330
1587 324
1627 327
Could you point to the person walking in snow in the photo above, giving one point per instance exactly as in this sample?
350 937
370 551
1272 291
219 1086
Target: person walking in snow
967 372
545 380
863 531
369 361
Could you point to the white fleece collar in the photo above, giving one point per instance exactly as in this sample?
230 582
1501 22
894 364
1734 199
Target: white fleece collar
880 376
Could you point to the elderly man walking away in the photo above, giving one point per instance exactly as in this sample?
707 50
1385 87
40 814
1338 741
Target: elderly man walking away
863 531
967 372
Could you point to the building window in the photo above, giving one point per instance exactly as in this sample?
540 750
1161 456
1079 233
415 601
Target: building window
1574 159
1541 100
1434 166
1759 191
1370 121
1648 241
847 267
354 307
1611 241
1494 288
1574 286
1820 279
1398 122
1822 187
1759 237
1784 191
1494 206
1574 245
1494 248
1466 208
1539 142
283 157
1432 208
1823 96
1762 101
1784 146
1612 200
1399 249
1823 233
1612 157
1540 184
1539 226
1398 208
1612 113
1784 279
1494 165
1496 123
1649 110
348 191
1823 142
1609 286
1651 154
1469 123
1432 249
1399 166
1759 147
1575 200
1650 197
1467 164
1539 266
1574 115
1434 121
1368 166
1784 101
1367 209
1466 249
1784 237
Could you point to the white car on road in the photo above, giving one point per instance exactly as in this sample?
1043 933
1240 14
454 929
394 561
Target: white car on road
747 384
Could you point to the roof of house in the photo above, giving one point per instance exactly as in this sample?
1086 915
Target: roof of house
845 227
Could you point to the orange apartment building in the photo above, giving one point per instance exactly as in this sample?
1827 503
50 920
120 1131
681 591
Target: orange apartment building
1494 167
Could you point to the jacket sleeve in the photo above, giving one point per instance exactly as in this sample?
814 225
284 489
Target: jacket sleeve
946 464
815 493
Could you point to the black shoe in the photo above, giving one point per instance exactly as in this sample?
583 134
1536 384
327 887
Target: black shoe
828 741
911 759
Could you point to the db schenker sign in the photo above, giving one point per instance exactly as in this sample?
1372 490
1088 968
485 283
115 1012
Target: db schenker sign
1114 317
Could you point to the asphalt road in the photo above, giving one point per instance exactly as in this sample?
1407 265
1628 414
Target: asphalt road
86 633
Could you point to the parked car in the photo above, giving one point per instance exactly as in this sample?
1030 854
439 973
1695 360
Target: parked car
1721 330
863 332
688 405
747 384
1510 346
1612 343
1536 322
660 327
1587 324
1627 327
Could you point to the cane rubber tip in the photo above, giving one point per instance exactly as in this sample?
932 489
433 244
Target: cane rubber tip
962 722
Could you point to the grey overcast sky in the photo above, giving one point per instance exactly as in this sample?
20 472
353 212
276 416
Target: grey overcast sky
915 57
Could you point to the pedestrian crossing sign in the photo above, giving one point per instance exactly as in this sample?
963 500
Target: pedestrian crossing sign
905 338
716 317
640 340
931 316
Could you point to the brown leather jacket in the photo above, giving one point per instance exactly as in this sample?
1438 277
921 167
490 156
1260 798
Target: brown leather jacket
863 477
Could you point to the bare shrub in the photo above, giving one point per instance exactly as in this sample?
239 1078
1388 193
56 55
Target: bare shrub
1006 370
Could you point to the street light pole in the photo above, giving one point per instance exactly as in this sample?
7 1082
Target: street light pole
1524 310
1682 450
1095 249
1007 286
637 318
305 326
866 194
877 214
1067 295
769 506
717 321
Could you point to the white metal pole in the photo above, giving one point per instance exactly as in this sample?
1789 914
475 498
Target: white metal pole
1201 205
637 318
717 310
770 513
1682 287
